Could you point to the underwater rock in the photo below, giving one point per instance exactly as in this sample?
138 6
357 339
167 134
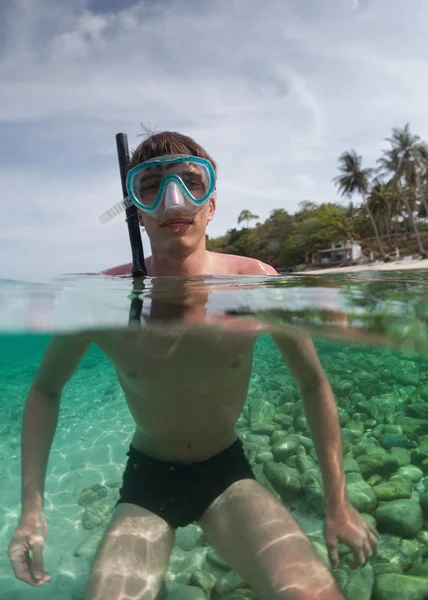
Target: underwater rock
204 580
277 436
264 456
285 448
350 465
356 427
291 462
186 592
304 463
91 494
296 408
381 568
402 455
214 558
369 518
284 420
361 495
89 545
259 440
423 501
261 415
357 397
419 571
312 485
344 417
306 442
418 410
189 538
377 461
392 586
402 517
420 453
411 471
389 440
263 480
193 561
389 551
374 480
413 427
355 584
284 479
229 583
301 423
347 438
393 429
287 394
413 550
394 489
383 408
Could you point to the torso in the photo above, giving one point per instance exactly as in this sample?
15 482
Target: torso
185 389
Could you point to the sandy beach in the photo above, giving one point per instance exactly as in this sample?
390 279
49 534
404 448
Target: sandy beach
396 265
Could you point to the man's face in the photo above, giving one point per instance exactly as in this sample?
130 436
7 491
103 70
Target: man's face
176 230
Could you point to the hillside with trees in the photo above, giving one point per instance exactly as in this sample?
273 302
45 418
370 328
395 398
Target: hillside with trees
385 207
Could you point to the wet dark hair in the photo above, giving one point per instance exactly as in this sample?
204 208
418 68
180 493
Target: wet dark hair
168 142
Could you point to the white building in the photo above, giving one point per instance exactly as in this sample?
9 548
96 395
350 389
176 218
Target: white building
338 252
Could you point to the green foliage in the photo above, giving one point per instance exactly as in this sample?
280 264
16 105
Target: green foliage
393 207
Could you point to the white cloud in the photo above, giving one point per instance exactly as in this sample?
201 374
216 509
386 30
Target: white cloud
275 91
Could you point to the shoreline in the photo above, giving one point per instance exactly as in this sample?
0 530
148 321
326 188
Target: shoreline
394 265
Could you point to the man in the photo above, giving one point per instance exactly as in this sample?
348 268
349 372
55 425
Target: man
185 388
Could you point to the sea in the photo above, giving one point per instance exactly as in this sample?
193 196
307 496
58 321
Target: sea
370 333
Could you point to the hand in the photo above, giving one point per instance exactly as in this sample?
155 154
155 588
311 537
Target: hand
344 524
29 537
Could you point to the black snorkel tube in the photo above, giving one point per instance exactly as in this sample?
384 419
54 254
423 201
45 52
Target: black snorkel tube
139 270
138 264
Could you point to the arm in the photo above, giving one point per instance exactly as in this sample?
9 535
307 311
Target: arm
41 410
342 522
320 408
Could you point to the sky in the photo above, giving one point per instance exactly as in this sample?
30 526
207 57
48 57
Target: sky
274 90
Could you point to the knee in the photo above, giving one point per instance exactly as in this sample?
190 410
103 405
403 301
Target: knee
327 592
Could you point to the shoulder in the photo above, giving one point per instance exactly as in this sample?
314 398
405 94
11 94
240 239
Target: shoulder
241 265
119 270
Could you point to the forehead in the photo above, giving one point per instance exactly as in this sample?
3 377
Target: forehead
179 167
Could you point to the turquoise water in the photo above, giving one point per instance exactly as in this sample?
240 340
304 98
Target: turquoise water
377 366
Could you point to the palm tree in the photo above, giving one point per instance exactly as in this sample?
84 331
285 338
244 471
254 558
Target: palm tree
247 215
423 154
381 203
354 178
402 161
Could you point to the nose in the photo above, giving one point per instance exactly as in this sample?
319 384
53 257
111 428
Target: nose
173 196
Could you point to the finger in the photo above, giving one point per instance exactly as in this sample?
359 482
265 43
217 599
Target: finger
359 558
368 551
18 555
37 559
333 554
373 541
373 530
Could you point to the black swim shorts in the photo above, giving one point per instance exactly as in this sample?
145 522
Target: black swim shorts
181 493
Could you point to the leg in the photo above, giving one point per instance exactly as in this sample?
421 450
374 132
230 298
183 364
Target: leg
132 558
262 542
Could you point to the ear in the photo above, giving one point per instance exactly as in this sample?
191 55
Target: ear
211 207
140 218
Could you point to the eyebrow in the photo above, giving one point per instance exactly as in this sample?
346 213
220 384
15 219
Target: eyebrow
155 176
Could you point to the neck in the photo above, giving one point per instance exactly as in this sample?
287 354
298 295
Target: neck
191 263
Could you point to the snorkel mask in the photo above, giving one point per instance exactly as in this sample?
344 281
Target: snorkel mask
157 192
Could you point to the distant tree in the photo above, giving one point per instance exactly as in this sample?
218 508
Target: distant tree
247 215
354 178
403 162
